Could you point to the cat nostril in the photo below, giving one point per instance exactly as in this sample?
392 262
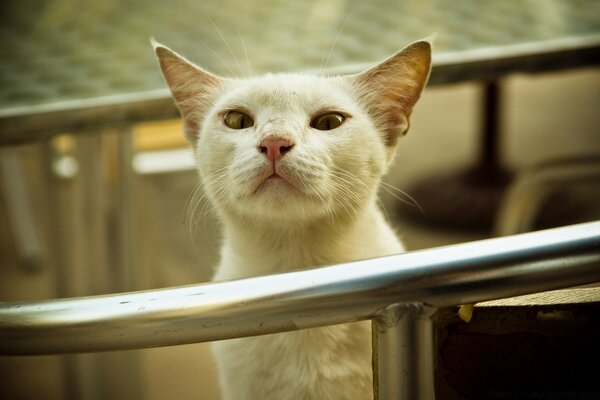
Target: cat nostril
285 149
275 148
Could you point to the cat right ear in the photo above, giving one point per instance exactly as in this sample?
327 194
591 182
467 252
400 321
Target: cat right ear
193 89
390 89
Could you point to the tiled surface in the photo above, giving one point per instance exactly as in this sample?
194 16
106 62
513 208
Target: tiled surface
60 50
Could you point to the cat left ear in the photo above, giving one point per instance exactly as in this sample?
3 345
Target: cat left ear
193 89
390 89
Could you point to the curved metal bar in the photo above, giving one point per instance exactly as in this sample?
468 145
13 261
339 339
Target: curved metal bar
524 198
446 276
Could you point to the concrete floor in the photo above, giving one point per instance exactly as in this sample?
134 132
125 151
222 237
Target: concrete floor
546 117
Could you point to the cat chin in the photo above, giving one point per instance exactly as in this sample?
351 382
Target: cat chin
279 203
276 185
278 194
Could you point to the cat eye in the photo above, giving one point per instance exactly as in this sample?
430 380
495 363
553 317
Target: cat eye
238 120
327 122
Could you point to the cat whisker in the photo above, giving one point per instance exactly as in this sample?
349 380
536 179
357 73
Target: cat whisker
348 199
218 180
330 213
201 207
325 63
245 51
383 209
348 209
411 201
351 188
192 203
354 187
227 44
329 210
193 216
219 58
320 193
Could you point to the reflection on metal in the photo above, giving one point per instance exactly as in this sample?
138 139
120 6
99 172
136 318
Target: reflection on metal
459 274
525 197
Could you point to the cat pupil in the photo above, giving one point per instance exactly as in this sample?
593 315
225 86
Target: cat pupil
327 122
238 120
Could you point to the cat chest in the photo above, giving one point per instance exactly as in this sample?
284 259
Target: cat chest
321 351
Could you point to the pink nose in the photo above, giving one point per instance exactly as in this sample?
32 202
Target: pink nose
275 148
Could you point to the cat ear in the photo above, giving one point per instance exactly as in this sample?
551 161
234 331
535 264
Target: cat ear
390 89
192 88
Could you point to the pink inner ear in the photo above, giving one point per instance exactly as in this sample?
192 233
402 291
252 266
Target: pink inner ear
391 89
193 89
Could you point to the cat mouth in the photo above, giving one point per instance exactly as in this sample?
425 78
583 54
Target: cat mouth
274 179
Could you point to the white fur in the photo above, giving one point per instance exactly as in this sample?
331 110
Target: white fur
323 212
330 219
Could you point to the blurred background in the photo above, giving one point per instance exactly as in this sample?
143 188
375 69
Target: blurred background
97 184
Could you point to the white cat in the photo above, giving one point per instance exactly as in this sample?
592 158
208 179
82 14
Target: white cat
292 163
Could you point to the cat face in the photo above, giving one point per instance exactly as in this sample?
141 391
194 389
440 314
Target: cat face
293 146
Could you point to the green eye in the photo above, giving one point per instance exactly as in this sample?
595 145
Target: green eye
327 122
238 120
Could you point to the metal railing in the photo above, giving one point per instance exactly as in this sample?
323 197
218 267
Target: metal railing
525 197
399 293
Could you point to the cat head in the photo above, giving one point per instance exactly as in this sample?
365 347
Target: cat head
295 146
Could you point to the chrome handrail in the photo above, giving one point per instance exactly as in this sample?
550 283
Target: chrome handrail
445 276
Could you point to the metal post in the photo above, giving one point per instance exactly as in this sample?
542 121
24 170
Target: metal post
23 226
403 352
94 241
490 145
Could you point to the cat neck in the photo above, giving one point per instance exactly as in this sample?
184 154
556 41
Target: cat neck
253 248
